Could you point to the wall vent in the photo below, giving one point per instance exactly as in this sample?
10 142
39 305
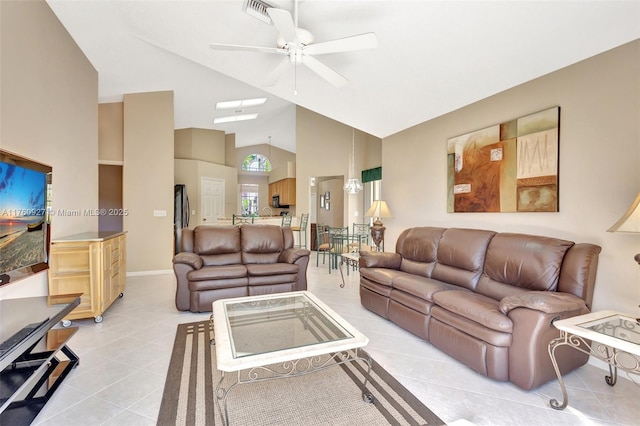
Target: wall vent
258 9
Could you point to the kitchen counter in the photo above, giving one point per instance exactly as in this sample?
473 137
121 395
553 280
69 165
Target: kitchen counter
258 220
88 236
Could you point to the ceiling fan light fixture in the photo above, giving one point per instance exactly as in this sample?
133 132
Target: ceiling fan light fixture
232 118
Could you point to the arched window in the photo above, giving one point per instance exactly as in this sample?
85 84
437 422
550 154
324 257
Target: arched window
256 163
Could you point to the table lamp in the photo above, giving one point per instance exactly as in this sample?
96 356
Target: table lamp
629 222
378 210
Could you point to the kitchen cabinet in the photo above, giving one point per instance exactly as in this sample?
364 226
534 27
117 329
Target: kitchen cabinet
286 189
93 264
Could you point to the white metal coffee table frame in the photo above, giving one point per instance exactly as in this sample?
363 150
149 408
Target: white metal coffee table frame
295 361
615 351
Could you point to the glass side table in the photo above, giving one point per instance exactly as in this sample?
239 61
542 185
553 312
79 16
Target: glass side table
615 340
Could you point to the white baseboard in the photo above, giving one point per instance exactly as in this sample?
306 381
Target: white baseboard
157 272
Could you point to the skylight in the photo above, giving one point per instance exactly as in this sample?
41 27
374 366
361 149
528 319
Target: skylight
237 117
241 103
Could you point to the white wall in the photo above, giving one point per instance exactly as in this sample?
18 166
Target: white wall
599 166
49 113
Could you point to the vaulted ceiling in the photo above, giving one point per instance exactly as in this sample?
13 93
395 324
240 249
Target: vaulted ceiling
432 57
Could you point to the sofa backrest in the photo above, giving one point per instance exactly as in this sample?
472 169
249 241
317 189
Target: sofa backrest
517 262
578 274
419 248
217 245
461 256
264 243
499 264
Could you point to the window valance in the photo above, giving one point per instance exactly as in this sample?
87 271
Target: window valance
372 174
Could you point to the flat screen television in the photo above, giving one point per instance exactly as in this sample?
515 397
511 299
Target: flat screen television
25 201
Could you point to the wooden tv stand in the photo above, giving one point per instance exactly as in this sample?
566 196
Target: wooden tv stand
32 369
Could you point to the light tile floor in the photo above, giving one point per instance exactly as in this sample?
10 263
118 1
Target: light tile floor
124 359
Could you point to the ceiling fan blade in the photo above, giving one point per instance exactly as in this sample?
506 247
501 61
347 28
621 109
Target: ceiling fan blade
274 75
284 23
221 46
324 71
356 42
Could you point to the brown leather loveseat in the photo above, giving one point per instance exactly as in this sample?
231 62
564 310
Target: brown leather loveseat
219 262
487 299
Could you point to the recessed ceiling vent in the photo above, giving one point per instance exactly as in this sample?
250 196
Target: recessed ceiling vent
258 9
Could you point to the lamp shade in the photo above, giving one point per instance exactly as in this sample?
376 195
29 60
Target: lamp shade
630 220
378 209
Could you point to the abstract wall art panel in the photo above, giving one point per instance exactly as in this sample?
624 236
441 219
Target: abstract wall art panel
509 167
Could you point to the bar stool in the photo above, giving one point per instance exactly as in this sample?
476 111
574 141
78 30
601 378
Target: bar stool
302 231
286 221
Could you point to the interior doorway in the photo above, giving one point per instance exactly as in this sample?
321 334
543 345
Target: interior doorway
211 200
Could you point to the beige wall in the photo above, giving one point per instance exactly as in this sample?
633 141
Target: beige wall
49 113
599 166
200 144
148 180
334 216
110 132
323 149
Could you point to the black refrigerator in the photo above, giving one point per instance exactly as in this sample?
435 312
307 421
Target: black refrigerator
181 213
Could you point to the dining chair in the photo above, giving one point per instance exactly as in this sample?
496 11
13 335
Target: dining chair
301 229
286 220
238 219
322 238
338 244
360 236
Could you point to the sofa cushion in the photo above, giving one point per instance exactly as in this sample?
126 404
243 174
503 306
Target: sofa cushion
264 269
422 287
375 287
217 273
475 307
208 285
422 269
461 254
381 275
527 262
216 240
410 301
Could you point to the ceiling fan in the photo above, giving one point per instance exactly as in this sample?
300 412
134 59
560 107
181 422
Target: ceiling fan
296 44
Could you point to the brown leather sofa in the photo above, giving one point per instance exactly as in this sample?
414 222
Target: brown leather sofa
487 299
219 262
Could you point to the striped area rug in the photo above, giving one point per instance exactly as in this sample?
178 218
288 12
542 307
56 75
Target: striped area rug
332 396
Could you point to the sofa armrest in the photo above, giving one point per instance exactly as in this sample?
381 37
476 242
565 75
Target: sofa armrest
187 258
291 255
378 259
543 301
532 315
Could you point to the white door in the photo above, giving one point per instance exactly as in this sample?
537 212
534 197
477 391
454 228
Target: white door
211 200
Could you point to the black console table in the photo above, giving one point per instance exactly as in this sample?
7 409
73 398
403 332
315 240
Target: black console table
34 357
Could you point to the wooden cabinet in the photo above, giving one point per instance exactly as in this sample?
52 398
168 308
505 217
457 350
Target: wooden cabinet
93 264
286 189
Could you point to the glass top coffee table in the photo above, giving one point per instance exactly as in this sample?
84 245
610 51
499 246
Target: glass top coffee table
278 336
610 336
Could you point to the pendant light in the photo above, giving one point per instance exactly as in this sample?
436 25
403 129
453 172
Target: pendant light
353 185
